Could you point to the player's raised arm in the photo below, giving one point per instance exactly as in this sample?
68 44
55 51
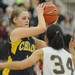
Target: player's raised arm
22 32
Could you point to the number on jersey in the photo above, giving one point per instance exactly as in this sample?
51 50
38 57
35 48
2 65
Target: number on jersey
59 63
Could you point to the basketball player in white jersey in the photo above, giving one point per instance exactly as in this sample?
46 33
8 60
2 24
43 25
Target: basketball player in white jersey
56 60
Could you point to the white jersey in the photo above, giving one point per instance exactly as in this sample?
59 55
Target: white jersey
57 62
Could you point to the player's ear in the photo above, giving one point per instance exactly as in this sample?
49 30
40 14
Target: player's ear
14 20
46 39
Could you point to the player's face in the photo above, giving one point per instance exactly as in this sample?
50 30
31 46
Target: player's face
23 19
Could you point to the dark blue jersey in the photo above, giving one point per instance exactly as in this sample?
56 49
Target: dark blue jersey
20 50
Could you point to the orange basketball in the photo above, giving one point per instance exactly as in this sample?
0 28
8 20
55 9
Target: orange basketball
50 13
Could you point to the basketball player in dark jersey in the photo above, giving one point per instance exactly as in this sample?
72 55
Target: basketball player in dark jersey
21 42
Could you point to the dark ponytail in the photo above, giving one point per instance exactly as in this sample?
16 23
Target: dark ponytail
55 37
57 42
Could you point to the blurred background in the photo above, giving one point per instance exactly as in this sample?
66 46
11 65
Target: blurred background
66 20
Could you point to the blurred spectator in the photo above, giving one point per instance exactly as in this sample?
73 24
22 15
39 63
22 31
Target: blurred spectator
2 5
8 2
27 4
7 15
61 18
0 1
3 41
19 1
34 19
66 25
67 39
21 5
3 32
1 13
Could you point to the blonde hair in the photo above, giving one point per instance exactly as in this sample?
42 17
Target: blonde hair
15 13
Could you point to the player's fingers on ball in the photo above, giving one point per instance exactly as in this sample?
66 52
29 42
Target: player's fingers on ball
38 7
47 3
42 5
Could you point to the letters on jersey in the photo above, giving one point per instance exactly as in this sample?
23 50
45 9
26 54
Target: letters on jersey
20 50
